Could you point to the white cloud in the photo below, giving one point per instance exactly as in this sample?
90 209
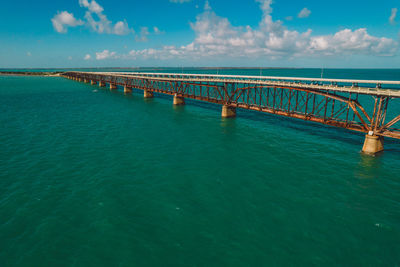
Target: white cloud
304 13
353 42
105 55
122 28
62 20
87 57
94 19
157 31
92 6
180 1
216 37
393 16
102 24
144 33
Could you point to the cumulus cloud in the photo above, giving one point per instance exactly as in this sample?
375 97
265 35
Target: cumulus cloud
304 13
92 6
105 55
94 18
144 33
87 57
216 37
121 28
353 42
393 16
99 22
62 20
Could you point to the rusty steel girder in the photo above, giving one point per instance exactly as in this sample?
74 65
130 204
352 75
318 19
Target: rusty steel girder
326 106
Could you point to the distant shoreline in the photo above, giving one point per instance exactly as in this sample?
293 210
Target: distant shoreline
27 73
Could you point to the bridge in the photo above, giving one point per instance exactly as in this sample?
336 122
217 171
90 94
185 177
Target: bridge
358 105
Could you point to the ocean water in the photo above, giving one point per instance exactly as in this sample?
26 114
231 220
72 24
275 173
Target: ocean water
90 177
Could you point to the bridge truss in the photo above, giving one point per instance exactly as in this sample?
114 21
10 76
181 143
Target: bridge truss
331 102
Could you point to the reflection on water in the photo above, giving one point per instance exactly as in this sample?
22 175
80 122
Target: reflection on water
369 166
228 125
178 108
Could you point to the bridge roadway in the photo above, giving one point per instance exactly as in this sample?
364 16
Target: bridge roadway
335 102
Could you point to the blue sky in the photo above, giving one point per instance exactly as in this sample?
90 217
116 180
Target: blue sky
265 33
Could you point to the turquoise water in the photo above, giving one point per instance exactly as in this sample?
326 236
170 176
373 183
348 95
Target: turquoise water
90 177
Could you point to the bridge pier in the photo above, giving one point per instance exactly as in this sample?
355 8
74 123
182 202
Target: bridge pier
113 86
148 94
179 100
127 89
373 144
87 81
102 84
228 111
93 82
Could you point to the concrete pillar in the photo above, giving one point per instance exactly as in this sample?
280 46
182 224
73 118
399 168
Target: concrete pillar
80 79
86 80
127 89
179 100
228 111
148 94
93 82
102 84
113 86
373 144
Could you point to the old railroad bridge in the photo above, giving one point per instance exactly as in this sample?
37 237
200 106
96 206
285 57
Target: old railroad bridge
358 105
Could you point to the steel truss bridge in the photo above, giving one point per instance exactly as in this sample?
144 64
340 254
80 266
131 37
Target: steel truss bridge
359 105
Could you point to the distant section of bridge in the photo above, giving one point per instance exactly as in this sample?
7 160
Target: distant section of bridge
359 105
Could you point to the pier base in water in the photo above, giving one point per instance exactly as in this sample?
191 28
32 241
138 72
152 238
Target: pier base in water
93 82
179 100
113 86
102 84
148 94
86 80
228 111
127 90
373 144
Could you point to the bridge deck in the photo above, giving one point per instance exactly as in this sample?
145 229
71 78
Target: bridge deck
332 102
338 85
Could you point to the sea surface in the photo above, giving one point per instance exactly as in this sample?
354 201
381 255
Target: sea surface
90 177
